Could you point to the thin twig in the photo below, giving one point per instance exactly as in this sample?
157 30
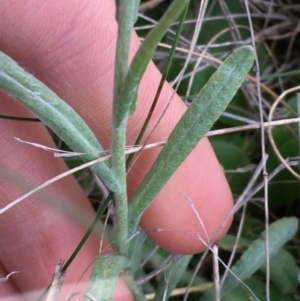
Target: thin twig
272 141
263 151
57 282
136 149
216 272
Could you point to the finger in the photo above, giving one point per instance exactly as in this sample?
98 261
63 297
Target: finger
79 67
46 228
35 236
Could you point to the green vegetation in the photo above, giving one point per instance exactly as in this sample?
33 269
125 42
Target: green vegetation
209 84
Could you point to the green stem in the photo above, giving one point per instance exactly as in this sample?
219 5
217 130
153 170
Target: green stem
125 12
118 163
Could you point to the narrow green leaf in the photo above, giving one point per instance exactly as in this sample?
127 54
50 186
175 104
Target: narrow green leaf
258 289
228 242
177 269
161 84
134 16
283 272
254 257
54 113
128 94
104 277
198 119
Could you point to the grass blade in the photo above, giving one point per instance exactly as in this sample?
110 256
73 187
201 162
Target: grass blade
54 113
165 288
254 257
211 101
161 83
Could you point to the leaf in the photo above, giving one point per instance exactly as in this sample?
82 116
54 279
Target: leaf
228 242
284 187
54 113
134 16
177 269
283 272
104 277
258 288
128 95
254 257
198 119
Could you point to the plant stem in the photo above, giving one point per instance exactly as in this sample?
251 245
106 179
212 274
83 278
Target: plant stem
126 10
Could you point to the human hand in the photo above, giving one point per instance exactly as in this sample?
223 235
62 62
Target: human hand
70 46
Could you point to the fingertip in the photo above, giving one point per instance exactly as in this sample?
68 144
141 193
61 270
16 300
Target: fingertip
192 210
